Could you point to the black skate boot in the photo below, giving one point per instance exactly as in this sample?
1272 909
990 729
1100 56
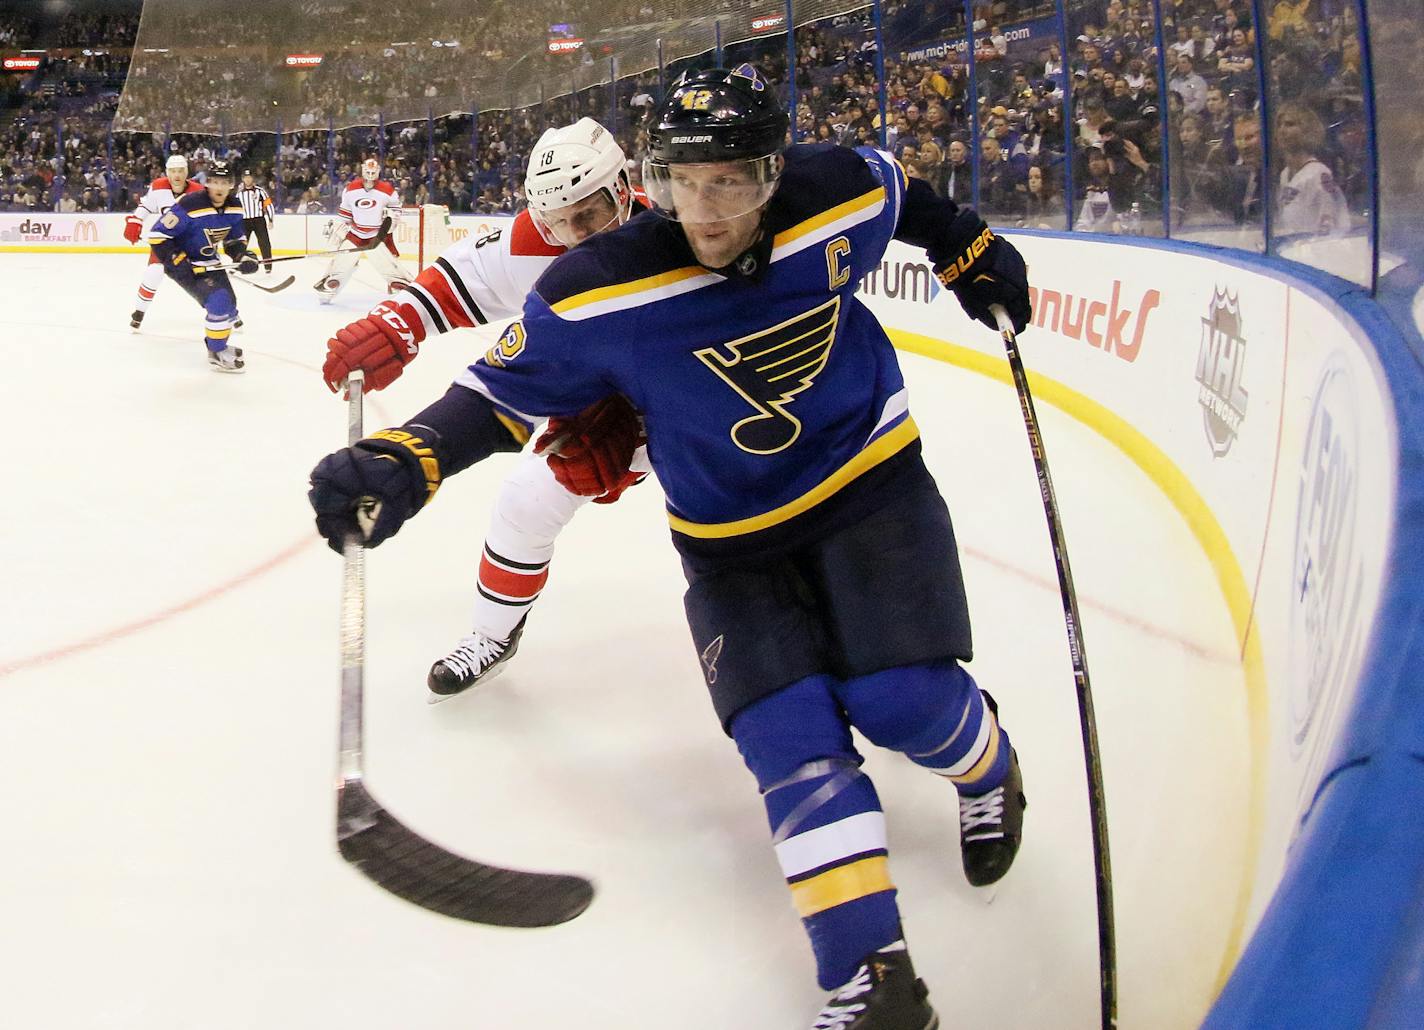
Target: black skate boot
237 323
136 321
991 825
884 994
229 359
477 659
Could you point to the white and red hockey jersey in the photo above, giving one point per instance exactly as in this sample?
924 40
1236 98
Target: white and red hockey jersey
159 199
481 279
478 280
367 208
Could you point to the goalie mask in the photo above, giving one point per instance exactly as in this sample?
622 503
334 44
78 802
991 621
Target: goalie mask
370 170
568 166
728 119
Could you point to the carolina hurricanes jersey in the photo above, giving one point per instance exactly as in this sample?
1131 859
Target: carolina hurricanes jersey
366 208
765 390
480 279
159 199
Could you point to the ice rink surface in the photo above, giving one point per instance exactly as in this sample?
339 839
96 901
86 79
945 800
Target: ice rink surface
169 693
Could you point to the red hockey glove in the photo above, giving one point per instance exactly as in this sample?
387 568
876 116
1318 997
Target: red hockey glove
590 453
381 345
133 228
630 478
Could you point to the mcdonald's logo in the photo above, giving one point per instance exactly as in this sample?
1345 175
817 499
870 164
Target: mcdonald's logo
86 231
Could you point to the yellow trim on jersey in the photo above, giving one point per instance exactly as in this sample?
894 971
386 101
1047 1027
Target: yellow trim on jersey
516 429
885 447
841 884
1211 538
643 285
836 213
219 334
203 211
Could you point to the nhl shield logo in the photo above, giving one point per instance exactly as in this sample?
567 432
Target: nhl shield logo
1221 362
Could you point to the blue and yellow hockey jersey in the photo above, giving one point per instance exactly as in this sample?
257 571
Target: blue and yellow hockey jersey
765 394
193 229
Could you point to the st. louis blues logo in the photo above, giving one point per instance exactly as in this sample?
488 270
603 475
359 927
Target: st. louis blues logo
750 73
768 369
710 654
215 238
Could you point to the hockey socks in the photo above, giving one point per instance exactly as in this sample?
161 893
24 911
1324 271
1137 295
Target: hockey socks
827 826
506 591
936 715
148 285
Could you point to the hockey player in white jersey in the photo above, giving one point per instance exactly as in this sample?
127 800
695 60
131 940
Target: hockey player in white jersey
369 208
577 186
162 193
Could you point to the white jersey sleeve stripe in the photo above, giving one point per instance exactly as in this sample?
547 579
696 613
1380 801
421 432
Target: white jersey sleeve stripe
432 309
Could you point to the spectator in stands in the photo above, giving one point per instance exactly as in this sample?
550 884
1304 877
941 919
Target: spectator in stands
1186 83
998 181
1310 201
958 175
1043 203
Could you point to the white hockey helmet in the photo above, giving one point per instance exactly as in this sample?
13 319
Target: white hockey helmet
370 170
176 164
570 164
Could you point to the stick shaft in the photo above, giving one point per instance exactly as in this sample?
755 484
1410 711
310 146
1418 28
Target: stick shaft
353 614
1087 720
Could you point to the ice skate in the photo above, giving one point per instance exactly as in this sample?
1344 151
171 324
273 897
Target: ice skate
991 826
884 994
136 321
236 324
477 659
229 359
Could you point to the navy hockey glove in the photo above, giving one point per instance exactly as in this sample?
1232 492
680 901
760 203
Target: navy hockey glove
243 261
394 467
984 270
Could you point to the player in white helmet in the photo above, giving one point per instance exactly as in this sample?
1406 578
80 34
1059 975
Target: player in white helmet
369 207
577 186
162 193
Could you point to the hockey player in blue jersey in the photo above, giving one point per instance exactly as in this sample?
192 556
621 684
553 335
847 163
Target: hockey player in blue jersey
187 240
824 588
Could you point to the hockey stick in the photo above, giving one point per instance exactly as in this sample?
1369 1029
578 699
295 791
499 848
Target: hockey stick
387 851
1097 806
256 285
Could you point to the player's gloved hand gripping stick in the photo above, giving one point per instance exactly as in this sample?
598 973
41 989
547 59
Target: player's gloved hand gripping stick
384 849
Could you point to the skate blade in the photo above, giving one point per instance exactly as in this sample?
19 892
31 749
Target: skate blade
433 698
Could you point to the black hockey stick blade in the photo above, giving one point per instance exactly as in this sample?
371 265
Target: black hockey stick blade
401 861
268 289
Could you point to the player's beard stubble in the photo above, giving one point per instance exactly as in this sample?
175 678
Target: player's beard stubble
718 244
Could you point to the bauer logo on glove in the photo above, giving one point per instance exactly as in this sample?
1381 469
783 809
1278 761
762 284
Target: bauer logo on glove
952 271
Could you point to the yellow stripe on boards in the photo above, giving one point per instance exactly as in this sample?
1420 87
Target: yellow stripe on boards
841 884
1210 537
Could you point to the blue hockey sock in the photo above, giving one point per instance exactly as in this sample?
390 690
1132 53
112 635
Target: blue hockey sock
826 822
936 715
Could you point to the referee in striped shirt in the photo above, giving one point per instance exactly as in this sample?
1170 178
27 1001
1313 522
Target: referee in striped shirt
256 215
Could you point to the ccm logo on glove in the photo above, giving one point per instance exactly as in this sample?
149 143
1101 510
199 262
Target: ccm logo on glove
952 271
393 319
